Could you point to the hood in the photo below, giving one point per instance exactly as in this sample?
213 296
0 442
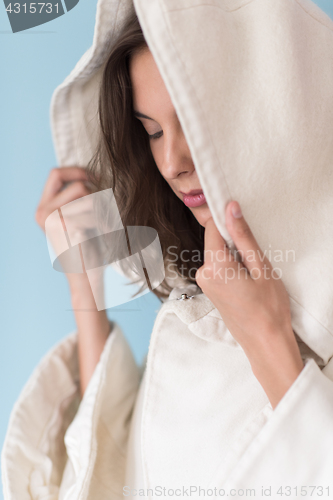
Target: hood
252 84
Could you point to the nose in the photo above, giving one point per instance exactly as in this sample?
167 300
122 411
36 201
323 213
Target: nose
177 158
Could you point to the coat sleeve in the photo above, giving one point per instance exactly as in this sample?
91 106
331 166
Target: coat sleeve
57 445
292 454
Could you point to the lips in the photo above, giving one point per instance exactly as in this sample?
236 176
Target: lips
194 198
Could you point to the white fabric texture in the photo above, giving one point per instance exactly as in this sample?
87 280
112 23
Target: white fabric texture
134 476
162 433
252 85
49 423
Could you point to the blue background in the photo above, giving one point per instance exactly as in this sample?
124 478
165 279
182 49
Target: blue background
35 300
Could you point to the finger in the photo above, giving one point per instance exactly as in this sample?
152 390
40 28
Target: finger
58 177
83 204
245 242
74 191
215 247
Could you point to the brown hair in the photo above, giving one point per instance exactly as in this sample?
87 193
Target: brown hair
124 162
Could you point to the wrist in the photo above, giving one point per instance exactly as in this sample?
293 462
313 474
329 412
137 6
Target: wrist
275 350
276 367
81 294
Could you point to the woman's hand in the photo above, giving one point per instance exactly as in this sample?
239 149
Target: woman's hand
64 185
55 194
253 303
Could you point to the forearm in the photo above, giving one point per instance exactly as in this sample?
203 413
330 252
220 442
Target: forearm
276 364
93 328
64 186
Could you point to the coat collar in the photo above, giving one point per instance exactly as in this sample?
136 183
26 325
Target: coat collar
200 315
204 320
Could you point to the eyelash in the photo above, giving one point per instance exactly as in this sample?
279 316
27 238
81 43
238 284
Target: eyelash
155 136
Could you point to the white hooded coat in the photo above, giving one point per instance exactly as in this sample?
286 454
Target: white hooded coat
252 85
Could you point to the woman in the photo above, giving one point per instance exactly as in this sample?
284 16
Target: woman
225 387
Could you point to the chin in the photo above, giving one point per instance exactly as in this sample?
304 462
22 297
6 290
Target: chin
202 214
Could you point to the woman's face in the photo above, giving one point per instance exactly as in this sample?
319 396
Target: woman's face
168 145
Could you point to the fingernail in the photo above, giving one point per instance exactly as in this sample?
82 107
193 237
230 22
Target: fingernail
236 210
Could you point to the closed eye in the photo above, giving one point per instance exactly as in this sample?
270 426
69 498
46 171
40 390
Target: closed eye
156 136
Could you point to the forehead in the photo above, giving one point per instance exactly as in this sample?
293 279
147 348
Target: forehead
143 67
148 86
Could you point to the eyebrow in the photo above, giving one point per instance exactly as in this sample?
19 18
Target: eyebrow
141 115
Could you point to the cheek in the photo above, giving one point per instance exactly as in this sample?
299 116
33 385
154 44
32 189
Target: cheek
158 157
